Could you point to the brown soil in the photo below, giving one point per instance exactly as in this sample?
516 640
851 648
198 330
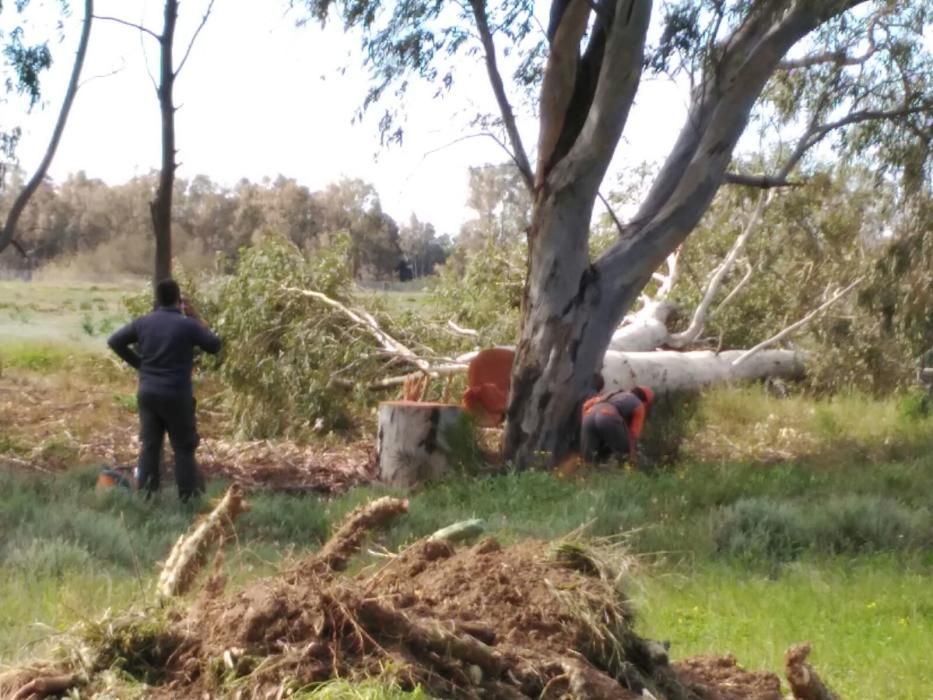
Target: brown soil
721 678
53 422
482 621
479 622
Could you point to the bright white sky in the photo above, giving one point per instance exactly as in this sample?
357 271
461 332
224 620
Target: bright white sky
260 97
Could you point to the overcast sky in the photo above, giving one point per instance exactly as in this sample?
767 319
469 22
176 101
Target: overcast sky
260 97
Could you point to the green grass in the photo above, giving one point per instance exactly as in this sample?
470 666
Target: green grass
869 620
73 314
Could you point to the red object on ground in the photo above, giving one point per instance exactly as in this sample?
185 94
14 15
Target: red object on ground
489 377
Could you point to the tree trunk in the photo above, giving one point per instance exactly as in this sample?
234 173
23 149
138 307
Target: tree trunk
161 207
413 444
8 233
565 331
678 371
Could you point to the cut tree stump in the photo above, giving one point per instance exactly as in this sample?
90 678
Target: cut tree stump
413 444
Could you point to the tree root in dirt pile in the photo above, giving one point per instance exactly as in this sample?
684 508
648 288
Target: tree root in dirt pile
27 684
187 556
532 620
347 540
804 681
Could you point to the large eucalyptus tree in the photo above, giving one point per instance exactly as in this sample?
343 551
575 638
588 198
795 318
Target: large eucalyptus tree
859 67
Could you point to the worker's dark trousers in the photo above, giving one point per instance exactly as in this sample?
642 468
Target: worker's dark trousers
173 414
604 434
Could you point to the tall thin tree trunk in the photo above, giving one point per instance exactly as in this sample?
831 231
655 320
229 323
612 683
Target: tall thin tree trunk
161 206
8 233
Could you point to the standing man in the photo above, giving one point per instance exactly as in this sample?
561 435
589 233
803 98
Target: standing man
165 341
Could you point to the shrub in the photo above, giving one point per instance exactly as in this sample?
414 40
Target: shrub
292 362
759 528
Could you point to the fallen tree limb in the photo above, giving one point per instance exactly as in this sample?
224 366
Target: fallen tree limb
188 555
666 371
460 330
744 357
698 321
366 321
804 682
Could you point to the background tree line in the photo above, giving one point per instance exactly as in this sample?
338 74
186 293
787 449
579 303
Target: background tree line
102 229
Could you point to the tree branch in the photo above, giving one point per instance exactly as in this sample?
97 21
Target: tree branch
764 182
560 75
22 199
839 58
194 37
698 322
133 25
612 213
461 331
737 288
495 79
617 83
19 248
798 324
364 319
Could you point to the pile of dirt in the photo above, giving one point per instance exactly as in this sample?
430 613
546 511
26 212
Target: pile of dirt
531 620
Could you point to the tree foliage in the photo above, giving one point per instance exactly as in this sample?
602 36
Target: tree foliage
295 365
103 229
24 59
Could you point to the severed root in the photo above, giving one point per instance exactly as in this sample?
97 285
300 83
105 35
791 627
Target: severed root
587 681
384 621
45 686
804 681
347 540
188 555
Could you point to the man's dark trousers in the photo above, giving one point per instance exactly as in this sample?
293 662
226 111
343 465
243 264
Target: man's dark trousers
159 414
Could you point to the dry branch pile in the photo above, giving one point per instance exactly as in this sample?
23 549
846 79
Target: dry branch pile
528 621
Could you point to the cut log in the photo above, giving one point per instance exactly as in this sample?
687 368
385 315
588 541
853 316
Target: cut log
413 444
666 371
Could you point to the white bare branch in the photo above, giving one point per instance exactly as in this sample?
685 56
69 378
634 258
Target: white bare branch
460 330
798 324
366 321
749 271
698 322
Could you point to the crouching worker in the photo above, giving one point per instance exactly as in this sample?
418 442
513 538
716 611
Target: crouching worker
164 354
612 424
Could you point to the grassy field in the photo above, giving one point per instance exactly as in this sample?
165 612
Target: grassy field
70 314
783 521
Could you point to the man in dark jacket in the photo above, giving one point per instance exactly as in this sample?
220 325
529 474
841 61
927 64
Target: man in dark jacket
165 341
